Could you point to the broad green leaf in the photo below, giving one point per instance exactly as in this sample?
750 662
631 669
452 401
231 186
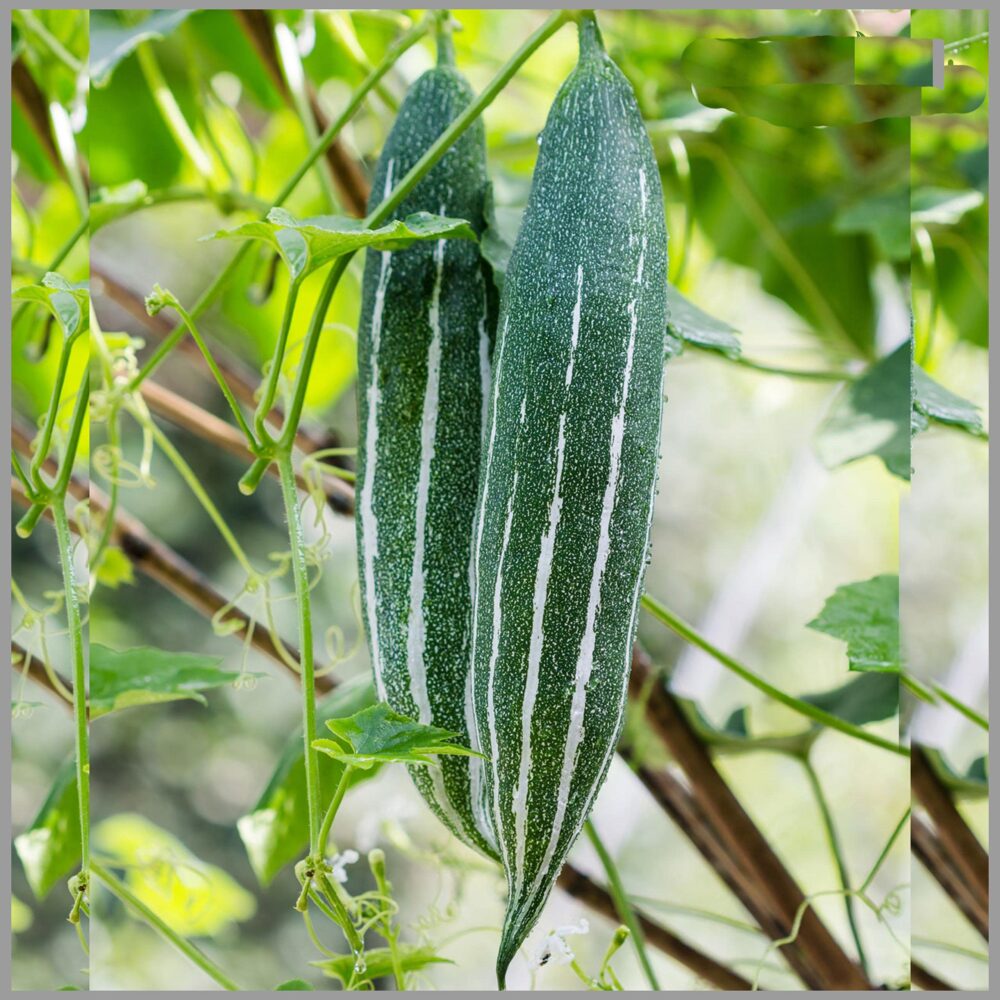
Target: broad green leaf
294 984
885 217
871 697
942 206
932 401
276 832
376 963
145 676
192 896
865 615
308 244
50 849
734 736
111 40
378 735
692 325
68 302
871 416
21 916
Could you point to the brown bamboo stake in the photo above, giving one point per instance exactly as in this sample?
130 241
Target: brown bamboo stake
830 966
352 186
932 854
966 854
925 979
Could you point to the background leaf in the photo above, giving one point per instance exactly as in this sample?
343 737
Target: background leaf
276 832
934 402
378 964
146 676
112 40
50 848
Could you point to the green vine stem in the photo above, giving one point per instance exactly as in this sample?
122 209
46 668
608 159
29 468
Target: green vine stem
624 908
274 374
331 811
405 42
300 573
48 426
691 635
74 620
836 850
185 947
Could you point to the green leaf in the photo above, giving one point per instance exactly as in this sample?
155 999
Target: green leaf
50 848
734 736
146 676
108 203
308 244
885 217
378 735
195 898
932 401
111 40
871 416
276 832
376 963
21 916
691 325
973 784
114 568
865 615
68 302
942 206
870 697
294 984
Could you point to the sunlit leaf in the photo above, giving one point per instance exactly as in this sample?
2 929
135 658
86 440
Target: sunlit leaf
294 984
145 676
932 401
865 615
111 39
378 735
376 963
308 244
115 568
276 832
21 916
192 896
50 849
871 416
69 302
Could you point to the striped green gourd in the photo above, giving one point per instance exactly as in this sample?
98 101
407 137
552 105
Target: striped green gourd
568 477
424 343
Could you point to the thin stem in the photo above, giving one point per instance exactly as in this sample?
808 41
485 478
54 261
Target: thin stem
222 279
331 812
690 634
15 464
277 361
185 947
812 375
65 542
219 377
171 113
55 47
227 201
967 710
387 206
300 573
833 841
343 917
884 853
622 904
55 400
194 484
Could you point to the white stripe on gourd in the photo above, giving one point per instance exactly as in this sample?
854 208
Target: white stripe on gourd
575 424
425 326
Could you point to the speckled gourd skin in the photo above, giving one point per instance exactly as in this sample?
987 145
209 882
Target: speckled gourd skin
575 404
423 371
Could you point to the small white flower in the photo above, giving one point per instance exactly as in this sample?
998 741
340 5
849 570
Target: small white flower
554 950
339 863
